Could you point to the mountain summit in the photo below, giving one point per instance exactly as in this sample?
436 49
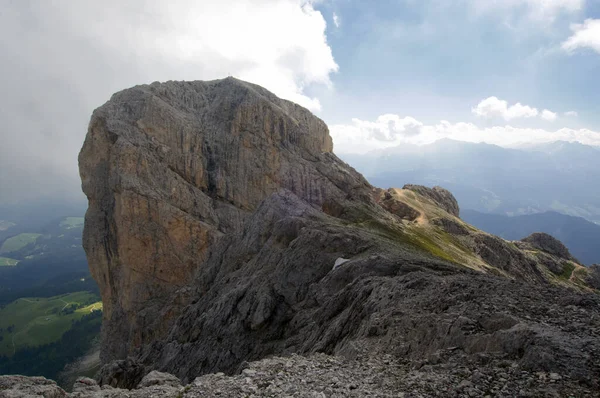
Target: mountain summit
222 229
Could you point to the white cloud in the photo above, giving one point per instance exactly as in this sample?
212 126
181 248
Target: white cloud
548 115
493 107
336 20
388 127
571 114
359 138
63 59
585 35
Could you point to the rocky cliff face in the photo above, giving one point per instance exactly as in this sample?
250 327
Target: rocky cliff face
221 229
169 169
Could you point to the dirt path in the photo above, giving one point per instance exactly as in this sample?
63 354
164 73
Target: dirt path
29 301
402 197
66 304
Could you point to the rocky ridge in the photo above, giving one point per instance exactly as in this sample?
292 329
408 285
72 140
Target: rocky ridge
218 211
222 230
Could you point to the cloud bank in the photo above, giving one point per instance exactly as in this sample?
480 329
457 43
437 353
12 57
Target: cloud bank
63 59
494 107
358 137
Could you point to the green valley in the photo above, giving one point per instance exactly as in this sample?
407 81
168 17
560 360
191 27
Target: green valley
31 322
8 262
18 242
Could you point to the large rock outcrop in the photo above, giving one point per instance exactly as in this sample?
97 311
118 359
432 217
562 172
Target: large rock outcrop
170 168
549 244
217 213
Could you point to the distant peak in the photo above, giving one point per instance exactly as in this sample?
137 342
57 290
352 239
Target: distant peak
549 244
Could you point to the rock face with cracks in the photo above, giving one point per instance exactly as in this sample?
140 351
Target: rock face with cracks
169 169
217 212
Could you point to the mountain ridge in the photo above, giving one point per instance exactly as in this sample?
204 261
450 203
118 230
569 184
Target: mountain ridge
178 159
223 230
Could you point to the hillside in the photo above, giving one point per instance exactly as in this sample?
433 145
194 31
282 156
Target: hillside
578 234
47 297
225 236
31 322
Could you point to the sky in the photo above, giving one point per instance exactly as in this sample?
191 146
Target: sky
380 73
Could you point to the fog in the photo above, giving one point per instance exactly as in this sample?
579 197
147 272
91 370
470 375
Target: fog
62 59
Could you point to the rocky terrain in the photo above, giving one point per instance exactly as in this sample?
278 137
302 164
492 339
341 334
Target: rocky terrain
320 375
223 230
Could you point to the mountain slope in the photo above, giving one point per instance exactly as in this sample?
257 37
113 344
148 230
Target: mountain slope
221 229
578 234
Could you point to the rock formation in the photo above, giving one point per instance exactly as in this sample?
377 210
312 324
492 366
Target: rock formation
169 169
442 197
549 244
217 212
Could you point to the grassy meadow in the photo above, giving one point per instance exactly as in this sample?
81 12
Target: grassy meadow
18 242
8 262
30 322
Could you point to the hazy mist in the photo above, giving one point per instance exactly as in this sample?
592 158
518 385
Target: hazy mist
61 60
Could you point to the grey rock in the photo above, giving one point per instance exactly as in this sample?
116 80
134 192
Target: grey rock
85 385
593 279
451 226
155 378
169 169
549 244
125 373
26 387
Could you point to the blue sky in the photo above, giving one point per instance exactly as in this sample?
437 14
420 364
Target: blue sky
394 51
388 73
436 60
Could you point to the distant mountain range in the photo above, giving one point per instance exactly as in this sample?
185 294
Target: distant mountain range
582 237
558 176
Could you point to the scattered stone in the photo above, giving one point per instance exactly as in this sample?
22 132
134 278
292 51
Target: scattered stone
155 378
85 385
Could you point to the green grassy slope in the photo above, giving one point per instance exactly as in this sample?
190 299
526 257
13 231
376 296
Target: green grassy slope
8 262
36 321
18 242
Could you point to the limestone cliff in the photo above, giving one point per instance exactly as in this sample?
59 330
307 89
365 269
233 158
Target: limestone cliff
170 168
217 213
